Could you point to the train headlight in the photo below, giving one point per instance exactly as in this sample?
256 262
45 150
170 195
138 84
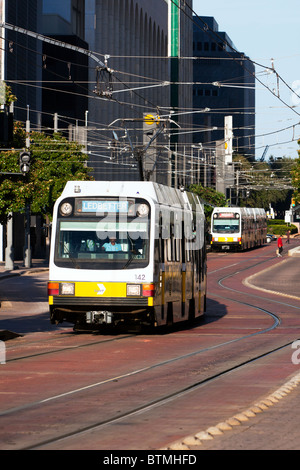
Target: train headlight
66 209
133 289
67 288
142 210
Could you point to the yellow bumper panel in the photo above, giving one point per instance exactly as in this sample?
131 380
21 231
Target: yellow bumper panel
100 289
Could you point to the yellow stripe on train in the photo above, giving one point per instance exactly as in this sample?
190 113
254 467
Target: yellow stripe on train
100 289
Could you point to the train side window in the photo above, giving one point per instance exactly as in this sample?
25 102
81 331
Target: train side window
169 249
157 257
177 246
182 243
187 251
162 250
170 245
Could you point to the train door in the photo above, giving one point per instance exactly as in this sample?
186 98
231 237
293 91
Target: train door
190 287
159 279
184 310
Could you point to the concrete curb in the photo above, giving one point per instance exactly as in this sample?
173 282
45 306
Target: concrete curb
196 440
22 271
294 251
6 335
247 283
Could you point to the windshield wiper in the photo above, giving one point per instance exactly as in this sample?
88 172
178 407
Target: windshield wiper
128 261
73 260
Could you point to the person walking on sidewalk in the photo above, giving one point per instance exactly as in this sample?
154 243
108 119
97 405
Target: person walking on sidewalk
288 233
279 246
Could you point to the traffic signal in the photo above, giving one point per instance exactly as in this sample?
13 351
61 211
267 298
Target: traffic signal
293 202
25 158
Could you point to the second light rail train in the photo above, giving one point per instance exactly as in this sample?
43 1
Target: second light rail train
238 228
126 253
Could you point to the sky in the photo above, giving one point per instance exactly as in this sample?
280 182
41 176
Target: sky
266 30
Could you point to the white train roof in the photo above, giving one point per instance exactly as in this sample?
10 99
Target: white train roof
156 192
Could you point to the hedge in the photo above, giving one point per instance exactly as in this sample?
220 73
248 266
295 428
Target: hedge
279 227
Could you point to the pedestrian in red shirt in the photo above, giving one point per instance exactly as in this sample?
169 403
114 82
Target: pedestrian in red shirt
279 246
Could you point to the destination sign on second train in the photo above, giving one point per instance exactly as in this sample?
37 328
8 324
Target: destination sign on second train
104 206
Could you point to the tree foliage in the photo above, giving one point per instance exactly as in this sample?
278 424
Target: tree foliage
209 196
6 95
296 177
267 183
54 161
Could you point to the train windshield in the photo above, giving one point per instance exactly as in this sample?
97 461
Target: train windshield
226 223
113 241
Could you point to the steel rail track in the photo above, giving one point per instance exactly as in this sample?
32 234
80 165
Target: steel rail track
133 335
162 400
276 322
153 404
65 348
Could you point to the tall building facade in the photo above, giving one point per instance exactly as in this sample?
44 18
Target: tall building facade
65 71
181 100
224 83
131 39
142 45
135 67
20 56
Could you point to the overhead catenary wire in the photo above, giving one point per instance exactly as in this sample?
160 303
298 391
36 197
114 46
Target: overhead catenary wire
38 36
207 28
131 104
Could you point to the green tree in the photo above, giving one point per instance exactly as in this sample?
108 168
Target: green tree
6 95
54 161
296 177
265 183
210 197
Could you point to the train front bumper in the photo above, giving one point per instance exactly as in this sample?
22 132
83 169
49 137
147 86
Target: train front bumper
226 241
98 302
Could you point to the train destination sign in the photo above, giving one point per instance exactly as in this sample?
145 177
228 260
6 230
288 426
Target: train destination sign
104 206
226 215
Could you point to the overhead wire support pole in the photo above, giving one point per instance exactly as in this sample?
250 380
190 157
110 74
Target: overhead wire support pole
27 241
137 153
54 42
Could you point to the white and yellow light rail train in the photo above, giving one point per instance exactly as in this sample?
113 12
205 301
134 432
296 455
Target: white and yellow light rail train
239 228
126 253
